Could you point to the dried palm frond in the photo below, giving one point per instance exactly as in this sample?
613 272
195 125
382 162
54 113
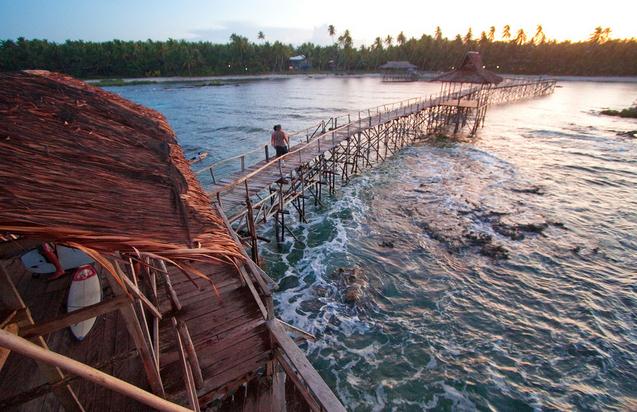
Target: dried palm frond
87 168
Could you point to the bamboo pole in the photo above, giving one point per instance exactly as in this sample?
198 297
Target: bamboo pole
11 297
30 350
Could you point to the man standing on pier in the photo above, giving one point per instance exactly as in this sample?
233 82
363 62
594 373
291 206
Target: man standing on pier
280 140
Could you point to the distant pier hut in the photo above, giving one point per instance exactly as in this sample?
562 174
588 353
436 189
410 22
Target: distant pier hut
399 71
467 88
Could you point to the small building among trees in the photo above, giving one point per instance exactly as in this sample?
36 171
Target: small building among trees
299 62
399 71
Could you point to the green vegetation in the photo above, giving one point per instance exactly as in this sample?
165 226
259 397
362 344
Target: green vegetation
630 112
517 52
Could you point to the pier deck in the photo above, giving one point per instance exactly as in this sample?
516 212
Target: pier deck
262 190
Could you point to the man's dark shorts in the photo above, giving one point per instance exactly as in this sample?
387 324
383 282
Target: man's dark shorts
281 150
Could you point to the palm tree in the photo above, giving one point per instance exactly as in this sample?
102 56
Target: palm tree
438 34
606 34
378 44
401 38
261 36
596 36
483 37
331 31
539 37
491 35
520 38
468 37
506 32
388 40
345 40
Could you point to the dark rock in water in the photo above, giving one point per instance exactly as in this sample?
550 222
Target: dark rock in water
354 283
386 243
509 231
353 294
557 224
320 291
334 320
514 228
477 238
288 282
494 251
311 305
534 190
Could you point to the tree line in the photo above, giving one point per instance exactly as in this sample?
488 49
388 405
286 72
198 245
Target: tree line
513 52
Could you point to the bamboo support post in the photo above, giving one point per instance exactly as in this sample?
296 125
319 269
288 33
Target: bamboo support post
13 301
135 330
28 349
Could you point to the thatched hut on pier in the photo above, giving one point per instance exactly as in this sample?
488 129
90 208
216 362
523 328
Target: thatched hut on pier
185 318
399 71
466 89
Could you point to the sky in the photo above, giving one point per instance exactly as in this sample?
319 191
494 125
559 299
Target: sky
299 21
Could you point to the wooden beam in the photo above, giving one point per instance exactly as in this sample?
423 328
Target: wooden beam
291 374
192 353
254 292
137 293
297 331
135 330
26 348
186 369
4 352
74 317
13 300
316 385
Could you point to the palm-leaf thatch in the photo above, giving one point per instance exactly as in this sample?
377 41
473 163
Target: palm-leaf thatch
85 166
470 71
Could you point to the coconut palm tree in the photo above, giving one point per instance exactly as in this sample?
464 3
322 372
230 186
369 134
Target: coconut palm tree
468 37
491 35
388 40
539 37
401 39
520 38
606 34
331 31
596 36
345 40
506 32
378 44
483 37
438 34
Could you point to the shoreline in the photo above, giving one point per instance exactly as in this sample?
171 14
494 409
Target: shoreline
118 81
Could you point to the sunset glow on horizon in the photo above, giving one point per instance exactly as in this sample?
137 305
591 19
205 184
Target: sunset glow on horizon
298 22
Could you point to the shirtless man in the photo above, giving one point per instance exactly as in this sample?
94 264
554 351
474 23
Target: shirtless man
280 140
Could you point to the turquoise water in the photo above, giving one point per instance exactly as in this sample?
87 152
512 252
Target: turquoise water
546 323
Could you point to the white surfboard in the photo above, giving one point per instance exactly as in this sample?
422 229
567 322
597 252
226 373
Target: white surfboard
85 290
69 258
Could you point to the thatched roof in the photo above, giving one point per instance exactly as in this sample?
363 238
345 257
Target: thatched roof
398 65
80 164
470 71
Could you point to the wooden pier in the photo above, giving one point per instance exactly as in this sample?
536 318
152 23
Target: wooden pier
339 148
186 320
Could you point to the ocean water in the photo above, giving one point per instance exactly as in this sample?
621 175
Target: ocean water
496 274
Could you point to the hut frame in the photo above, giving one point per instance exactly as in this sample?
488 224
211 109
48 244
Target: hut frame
193 313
